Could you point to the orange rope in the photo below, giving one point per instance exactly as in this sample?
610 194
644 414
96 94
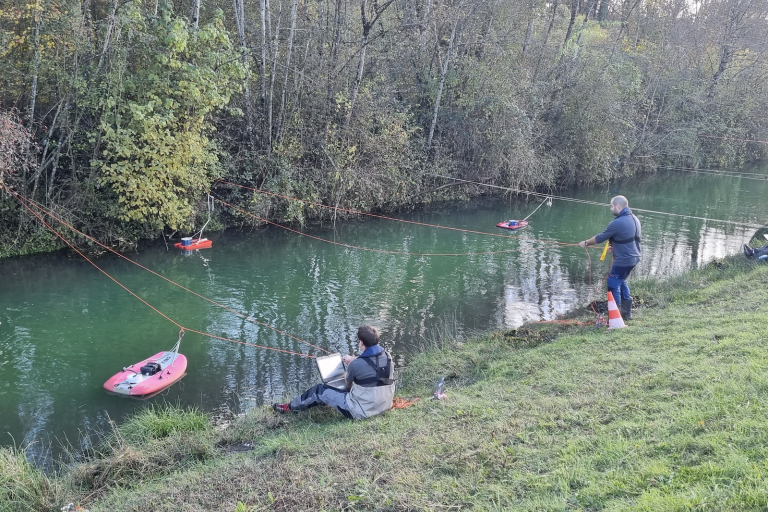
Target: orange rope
19 198
383 251
48 212
394 219
398 220
403 403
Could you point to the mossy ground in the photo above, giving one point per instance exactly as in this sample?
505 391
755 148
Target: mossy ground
670 413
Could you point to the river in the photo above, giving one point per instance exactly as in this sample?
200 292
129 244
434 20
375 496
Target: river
66 327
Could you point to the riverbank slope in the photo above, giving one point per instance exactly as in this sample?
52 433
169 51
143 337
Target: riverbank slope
667 414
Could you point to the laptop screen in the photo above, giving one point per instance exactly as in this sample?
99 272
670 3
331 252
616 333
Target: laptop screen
331 367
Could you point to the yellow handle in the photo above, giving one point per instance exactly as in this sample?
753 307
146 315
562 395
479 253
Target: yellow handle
605 251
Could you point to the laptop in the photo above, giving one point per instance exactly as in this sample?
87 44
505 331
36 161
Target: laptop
332 371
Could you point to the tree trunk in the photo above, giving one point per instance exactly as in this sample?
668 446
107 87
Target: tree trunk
44 160
584 23
240 21
528 35
423 24
457 28
624 22
360 63
263 18
574 11
544 41
35 66
288 50
299 73
330 95
602 11
85 9
367 24
107 37
271 100
195 17
443 74
735 17
551 21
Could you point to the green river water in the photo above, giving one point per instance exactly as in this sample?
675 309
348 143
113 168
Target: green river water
66 328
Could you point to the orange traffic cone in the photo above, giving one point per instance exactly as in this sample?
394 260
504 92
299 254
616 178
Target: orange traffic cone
614 317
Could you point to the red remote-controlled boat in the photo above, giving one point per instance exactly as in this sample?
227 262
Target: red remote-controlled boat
190 243
512 224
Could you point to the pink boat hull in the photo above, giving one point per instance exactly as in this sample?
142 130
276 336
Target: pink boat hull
131 382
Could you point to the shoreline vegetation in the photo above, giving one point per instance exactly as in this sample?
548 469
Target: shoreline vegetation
667 414
119 117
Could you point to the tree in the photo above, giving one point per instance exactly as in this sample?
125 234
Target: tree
16 150
367 21
157 156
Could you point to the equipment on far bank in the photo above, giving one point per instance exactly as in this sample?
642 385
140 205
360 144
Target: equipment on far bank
150 376
517 224
190 242
512 224
614 317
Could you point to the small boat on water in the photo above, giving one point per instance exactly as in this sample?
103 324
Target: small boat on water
512 224
150 376
190 243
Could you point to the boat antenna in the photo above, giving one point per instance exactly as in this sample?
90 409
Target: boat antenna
199 234
542 204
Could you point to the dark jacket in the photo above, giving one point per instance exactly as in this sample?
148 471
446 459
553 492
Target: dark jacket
624 234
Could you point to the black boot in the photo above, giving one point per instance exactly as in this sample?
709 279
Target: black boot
626 309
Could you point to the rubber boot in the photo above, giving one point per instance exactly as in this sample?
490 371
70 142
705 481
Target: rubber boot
626 309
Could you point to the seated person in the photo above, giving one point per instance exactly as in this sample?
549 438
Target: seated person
511 223
756 254
370 383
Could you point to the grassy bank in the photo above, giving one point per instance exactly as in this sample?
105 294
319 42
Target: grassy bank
668 414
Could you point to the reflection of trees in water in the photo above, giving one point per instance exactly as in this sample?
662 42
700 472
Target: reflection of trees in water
541 286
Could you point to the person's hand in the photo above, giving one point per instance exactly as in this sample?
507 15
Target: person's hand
583 244
348 359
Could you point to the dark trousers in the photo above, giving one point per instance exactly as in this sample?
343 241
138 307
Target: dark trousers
322 395
617 283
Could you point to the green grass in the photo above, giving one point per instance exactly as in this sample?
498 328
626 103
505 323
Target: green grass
670 413
155 442
160 422
22 487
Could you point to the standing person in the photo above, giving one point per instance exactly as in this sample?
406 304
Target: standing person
624 233
369 382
